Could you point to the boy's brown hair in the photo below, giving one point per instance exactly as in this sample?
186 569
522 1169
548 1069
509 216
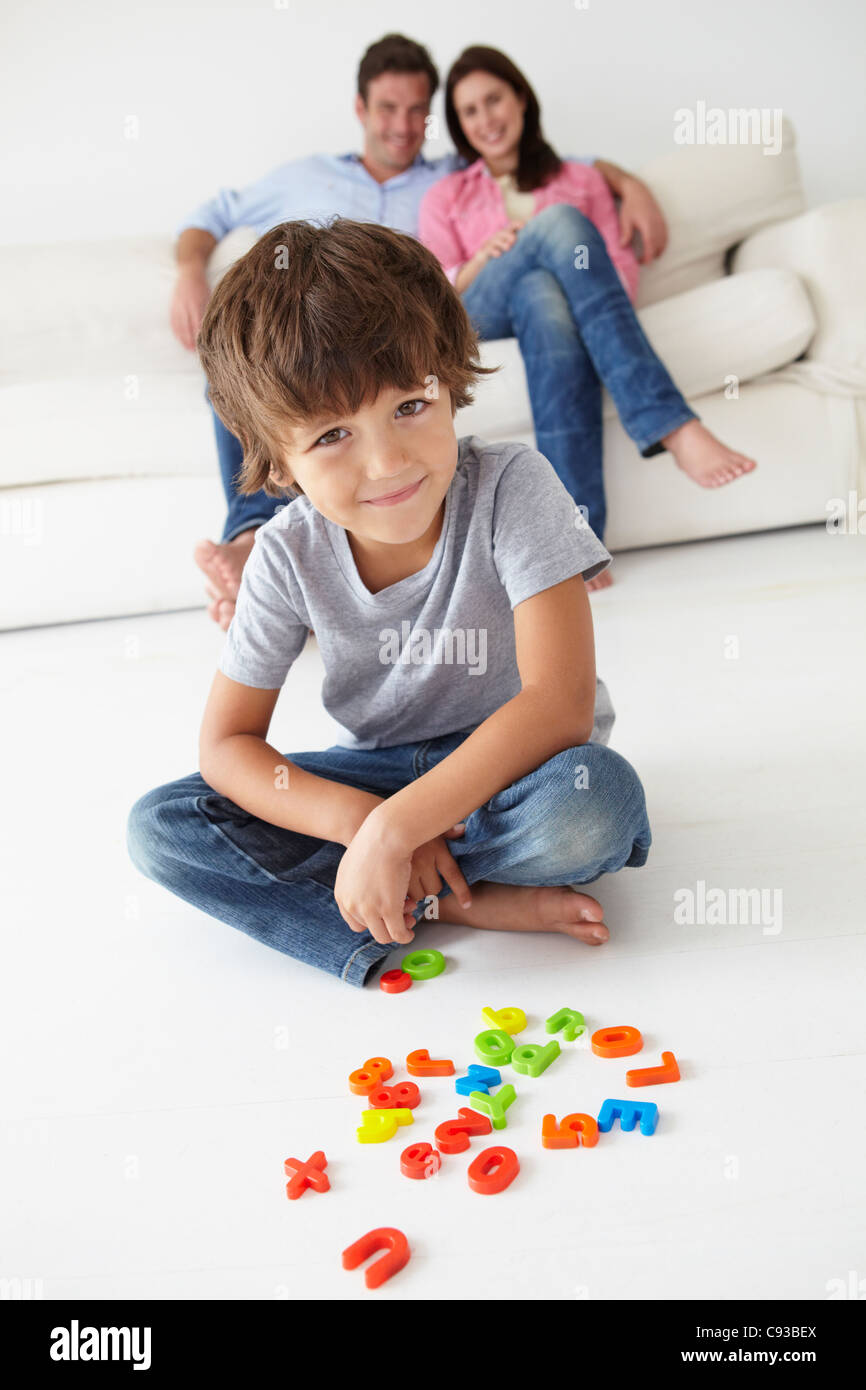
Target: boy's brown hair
315 321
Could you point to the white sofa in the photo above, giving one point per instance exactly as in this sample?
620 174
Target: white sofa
108 471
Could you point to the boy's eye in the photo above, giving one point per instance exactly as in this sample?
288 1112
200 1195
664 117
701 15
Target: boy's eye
407 408
329 436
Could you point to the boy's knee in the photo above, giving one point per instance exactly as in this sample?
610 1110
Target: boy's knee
145 834
604 806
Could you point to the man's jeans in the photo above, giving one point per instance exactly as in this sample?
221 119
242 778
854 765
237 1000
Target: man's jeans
581 814
243 511
577 331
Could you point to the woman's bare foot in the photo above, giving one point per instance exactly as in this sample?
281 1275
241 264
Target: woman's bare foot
512 907
603 580
223 565
706 459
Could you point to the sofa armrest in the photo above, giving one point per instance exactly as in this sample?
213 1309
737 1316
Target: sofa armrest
825 248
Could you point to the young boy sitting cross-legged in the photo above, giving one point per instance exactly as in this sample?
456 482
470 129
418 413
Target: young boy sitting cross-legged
444 580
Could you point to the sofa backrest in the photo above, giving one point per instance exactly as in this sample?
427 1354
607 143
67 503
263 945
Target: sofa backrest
712 196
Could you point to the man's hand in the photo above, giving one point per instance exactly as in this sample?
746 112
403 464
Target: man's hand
639 212
377 887
191 294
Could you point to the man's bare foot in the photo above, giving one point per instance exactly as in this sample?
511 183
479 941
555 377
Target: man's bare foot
603 580
512 907
220 609
706 459
223 565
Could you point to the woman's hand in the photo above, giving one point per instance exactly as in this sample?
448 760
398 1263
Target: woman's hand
377 889
499 242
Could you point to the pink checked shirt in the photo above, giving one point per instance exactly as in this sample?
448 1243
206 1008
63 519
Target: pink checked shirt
460 211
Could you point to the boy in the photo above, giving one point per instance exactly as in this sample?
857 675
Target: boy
444 580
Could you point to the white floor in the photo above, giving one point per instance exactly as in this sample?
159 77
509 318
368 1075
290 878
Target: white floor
160 1066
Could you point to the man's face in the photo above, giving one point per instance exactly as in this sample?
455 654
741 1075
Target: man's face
393 118
351 467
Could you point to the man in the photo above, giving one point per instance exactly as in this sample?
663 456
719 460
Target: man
386 183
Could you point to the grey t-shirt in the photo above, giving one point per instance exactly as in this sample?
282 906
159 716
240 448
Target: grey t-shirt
434 653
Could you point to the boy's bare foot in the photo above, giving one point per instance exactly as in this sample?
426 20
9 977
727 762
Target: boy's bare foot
223 565
513 907
599 581
706 459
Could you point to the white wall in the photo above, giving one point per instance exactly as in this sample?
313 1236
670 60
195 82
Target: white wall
223 92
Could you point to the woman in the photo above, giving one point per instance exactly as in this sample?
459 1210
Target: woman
531 242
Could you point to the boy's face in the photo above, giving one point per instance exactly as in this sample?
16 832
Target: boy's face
383 472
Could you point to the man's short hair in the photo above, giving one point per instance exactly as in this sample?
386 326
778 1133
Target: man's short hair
395 53
315 321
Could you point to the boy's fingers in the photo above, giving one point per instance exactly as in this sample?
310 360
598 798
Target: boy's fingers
395 928
456 882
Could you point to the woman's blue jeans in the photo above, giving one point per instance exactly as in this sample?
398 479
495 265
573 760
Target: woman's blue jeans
577 331
581 814
243 511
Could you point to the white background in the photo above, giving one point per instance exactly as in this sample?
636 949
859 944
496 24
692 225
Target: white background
224 92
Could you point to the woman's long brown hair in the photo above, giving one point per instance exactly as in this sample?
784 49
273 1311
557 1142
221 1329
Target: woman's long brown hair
537 161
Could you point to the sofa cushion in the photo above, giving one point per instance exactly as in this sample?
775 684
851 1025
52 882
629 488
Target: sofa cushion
712 197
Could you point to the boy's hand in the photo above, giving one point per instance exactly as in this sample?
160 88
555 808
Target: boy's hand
376 889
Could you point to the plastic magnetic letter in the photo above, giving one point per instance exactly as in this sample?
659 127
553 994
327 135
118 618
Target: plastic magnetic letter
304 1175
533 1058
627 1112
511 1019
452 1136
493 1170
379 1125
655 1076
495 1106
568 1022
374 1071
405 1095
477 1079
395 981
386 1238
571 1131
420 1161
616 1042
420 1063
495 1046
423 964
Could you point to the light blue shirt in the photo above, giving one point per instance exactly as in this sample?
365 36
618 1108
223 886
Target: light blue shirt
322 186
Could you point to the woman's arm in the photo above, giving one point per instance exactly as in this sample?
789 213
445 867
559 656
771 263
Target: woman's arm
598 204
436 230
638 210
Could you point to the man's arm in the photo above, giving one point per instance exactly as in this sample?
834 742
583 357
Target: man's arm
638 212
191 291
237 761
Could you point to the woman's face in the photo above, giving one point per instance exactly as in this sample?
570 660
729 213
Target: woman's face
490 114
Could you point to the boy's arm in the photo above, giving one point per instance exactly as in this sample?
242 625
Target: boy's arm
553 711
237 761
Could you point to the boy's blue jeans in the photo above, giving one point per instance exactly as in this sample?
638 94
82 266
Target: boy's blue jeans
278 885
577 331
